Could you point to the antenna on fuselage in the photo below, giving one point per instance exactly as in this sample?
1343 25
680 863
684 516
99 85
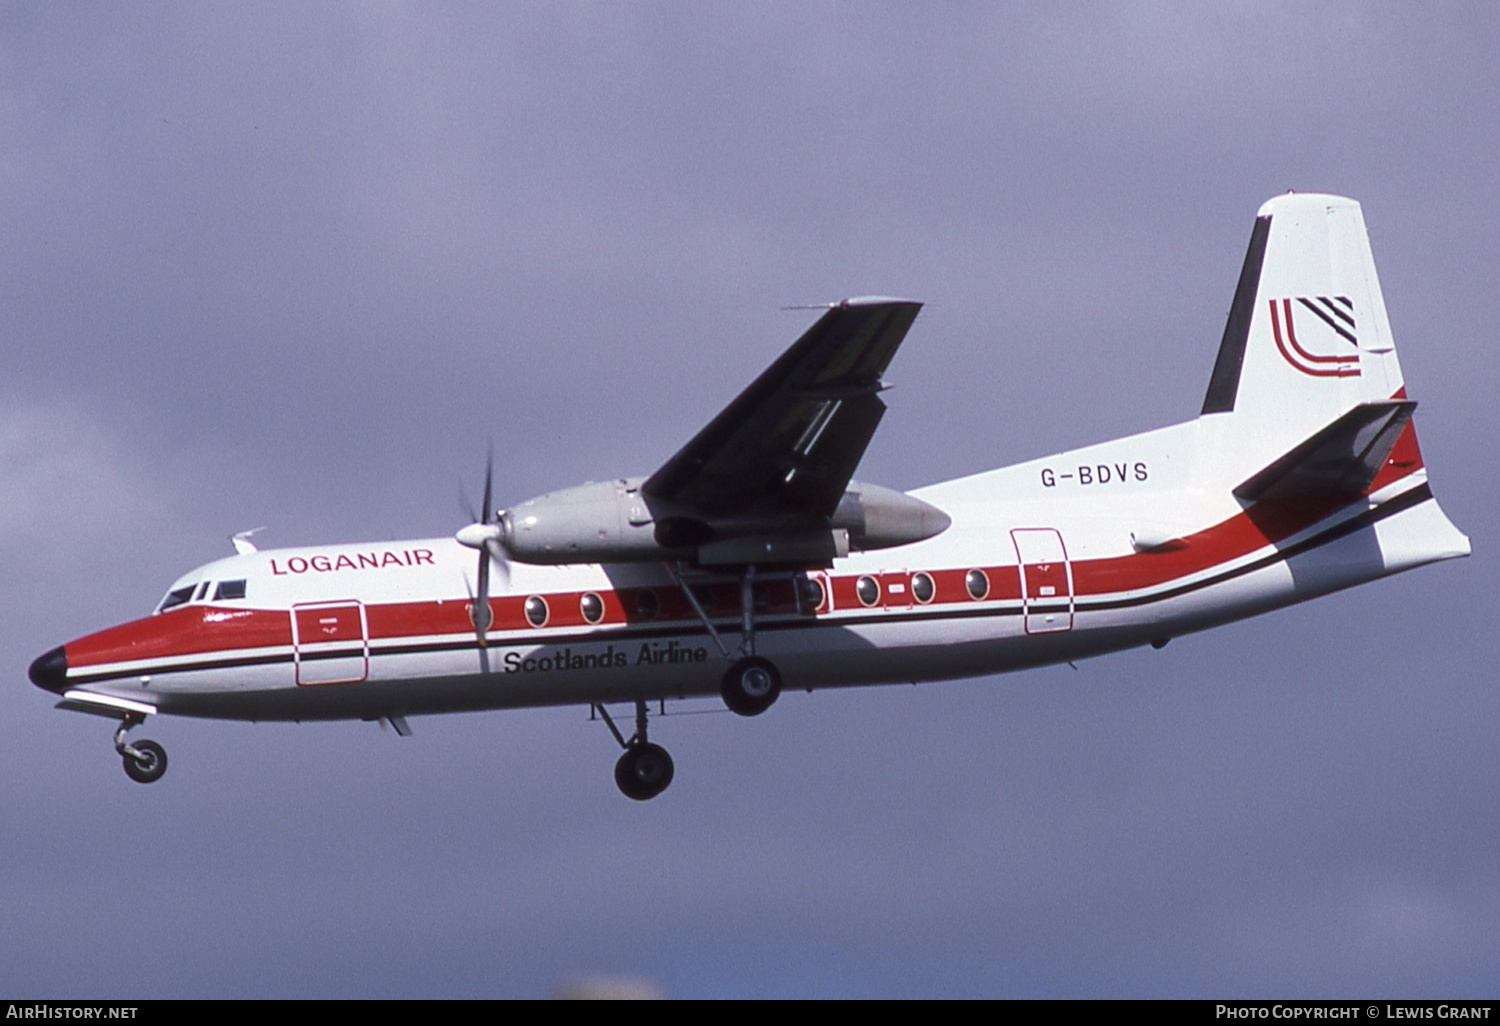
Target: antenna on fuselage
242 543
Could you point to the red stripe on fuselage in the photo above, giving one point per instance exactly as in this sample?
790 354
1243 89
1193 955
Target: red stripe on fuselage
197 630
1405 456
1261 525
187 630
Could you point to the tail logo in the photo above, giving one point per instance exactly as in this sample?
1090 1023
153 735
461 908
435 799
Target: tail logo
1330 326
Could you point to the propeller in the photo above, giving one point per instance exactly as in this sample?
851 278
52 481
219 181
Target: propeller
486 534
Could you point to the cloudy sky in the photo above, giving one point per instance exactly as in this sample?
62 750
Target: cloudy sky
293 265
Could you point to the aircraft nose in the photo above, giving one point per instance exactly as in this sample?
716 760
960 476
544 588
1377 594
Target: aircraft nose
50 671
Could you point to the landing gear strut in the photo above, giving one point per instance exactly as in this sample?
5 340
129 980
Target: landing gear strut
752 684
145 761
645 770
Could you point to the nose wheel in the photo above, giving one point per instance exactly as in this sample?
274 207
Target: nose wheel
645 769
145 761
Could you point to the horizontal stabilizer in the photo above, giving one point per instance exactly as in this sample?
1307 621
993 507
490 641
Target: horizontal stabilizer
1340 460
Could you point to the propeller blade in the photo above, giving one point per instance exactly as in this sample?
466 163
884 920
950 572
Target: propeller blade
487 535
502 561
479 610
488 509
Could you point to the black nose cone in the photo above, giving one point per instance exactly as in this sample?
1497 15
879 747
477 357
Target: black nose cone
50 671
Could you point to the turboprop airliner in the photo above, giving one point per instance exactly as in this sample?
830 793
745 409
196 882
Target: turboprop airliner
751 561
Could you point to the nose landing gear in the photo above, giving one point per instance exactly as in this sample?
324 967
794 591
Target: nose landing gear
145 761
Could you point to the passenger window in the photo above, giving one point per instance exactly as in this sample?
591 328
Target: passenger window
811 591
229 590
536 611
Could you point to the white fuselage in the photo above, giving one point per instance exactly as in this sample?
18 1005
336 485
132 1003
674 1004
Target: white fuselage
1122 544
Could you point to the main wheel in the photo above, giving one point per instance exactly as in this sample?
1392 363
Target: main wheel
149 765
751 686
643 772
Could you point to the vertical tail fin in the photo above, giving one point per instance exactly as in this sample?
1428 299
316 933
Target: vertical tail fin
1307 401
1307 337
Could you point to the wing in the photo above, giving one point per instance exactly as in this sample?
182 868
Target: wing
787 445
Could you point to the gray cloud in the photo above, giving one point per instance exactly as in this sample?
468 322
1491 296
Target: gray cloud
294 266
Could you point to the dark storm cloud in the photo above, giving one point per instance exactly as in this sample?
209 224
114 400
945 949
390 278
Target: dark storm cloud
294 266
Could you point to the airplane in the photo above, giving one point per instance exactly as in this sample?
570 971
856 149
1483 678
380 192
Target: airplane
752 562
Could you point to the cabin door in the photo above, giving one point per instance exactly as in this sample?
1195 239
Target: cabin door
1046 579
330 642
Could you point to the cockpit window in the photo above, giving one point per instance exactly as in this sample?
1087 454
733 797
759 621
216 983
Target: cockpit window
176 598
202 590
229 590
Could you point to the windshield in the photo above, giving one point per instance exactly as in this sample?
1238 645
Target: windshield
176 597
223 591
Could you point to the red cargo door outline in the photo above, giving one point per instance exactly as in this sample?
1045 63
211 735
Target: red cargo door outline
1046 579
330 642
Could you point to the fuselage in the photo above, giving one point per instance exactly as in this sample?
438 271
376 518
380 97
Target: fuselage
1118 545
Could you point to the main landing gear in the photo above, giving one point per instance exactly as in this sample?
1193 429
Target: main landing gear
645 770
145 761
752 684
749 687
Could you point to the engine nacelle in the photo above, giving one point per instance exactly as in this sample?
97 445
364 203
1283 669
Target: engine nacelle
614 522
598 522
882 518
